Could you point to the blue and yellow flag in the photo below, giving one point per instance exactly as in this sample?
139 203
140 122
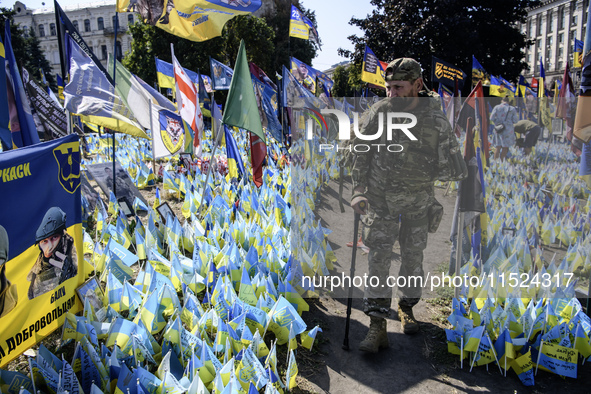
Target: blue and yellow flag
578 54
5 136
302 27
221 75
235 165
169 132
24 132
165 76
55 164
98 101
197 20
372 70
542 81
479 73
500 87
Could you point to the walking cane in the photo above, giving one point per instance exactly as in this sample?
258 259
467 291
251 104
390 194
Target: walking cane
362 206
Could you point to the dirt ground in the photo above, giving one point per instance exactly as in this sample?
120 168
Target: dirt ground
413 364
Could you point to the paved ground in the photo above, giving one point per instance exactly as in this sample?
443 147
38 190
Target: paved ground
412 364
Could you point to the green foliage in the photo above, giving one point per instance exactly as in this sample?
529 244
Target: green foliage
27 49
347 80
452 30
266 39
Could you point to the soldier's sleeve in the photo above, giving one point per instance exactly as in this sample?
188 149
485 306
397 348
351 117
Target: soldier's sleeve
362 161
451 165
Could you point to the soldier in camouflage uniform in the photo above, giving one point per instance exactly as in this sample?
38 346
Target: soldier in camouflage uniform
399 190
57 260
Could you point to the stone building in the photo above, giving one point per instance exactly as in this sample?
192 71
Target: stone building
95 22
553 26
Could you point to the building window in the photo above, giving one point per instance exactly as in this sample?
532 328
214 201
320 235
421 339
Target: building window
104 52
550 40
574 20
560 52
550 22
130 19
561 20
87 25
101 23
539 26
528 58
41 31
52 30
115 21
561 38
559 65
75 23
539 43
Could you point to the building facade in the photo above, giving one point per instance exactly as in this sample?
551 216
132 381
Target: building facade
553 26
95 22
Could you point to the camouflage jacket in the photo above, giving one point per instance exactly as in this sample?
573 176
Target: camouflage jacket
417 164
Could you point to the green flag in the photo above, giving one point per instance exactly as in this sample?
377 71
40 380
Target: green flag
241 106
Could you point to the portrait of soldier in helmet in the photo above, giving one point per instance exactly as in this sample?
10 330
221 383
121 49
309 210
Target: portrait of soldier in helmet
8 294
57 260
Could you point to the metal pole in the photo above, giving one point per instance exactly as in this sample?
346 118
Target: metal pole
353 258
459 242
215 146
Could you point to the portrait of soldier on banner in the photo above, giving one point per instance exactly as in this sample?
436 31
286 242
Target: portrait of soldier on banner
57 260
103 175
304 74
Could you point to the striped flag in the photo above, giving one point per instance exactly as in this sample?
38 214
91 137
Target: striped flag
188 103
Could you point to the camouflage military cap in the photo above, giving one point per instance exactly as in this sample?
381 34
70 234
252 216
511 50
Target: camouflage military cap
403 69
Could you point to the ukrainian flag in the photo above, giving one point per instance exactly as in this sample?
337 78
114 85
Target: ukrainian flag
372 70
197 20
578 54
165 74
297 27
235 165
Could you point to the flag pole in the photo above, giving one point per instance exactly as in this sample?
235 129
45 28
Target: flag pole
115 28
215 146
459 242
153 151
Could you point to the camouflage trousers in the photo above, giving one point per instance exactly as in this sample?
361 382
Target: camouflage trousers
402 217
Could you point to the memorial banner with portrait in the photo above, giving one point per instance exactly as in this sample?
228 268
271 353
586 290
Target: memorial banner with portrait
41 252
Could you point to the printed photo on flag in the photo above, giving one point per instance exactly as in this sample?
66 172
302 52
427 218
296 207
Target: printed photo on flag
41 250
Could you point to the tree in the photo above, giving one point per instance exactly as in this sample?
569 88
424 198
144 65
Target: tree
452 30
27 50
35 61
347 80
150 42
267 44
286 46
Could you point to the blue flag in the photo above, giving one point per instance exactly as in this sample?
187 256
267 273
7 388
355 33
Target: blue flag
5 136
234 158
221 75
25 133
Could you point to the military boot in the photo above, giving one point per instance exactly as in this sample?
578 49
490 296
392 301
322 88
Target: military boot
410 325
377 336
